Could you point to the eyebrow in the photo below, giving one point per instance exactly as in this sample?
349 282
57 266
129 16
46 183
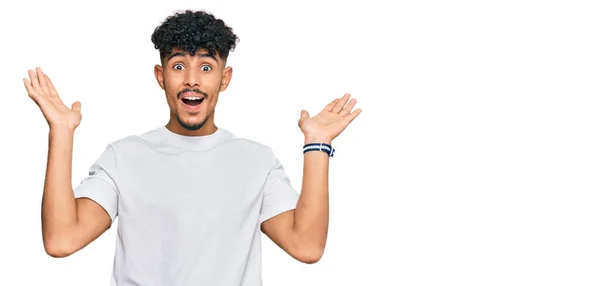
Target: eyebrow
183 54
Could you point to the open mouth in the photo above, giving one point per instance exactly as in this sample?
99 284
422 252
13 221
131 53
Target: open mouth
192 100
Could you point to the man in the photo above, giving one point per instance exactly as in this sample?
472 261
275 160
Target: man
191 197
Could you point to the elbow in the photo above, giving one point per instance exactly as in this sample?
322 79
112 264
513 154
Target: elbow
310 255
57 248
57 253
311 260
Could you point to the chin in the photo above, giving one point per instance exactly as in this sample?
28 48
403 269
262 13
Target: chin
192 125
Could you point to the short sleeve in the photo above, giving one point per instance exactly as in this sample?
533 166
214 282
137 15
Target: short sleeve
278 194
99 184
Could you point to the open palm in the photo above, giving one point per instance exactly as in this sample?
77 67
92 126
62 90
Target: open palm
331 121
42 91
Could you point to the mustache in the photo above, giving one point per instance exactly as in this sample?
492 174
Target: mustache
191 90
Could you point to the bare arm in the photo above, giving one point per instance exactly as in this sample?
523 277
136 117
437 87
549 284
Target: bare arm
67 224
302 232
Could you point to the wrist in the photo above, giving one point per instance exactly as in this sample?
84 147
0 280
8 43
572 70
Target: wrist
61 130
319 147
317 139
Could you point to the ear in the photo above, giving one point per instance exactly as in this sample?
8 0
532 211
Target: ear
158 73
227 72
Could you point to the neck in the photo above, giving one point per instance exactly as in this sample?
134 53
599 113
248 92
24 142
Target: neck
207 129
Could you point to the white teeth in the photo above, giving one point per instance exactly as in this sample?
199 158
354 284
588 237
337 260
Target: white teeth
192 98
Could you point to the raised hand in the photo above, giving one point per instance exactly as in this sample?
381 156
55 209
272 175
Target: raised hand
330 122
57 114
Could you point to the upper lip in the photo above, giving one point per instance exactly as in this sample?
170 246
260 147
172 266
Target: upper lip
191 94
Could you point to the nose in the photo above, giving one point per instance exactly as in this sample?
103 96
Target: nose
191 78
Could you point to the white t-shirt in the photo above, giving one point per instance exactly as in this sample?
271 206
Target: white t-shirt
189 208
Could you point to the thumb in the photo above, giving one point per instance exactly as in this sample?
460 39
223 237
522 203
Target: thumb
304 114
76 106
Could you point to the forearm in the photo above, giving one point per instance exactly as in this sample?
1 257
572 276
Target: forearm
59 211
311 219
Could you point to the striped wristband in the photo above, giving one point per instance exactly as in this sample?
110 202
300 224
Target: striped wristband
319 147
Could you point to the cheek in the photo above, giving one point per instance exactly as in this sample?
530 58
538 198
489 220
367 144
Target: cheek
171 87
211 84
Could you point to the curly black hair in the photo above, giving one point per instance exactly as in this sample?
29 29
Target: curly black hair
194 30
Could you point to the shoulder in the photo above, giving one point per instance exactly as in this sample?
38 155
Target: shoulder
242 148
251 145
135 141
252 148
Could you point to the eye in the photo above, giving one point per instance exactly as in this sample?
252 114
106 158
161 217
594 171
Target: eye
178 67
205 68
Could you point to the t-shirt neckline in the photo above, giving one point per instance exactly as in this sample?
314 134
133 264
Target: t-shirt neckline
195 143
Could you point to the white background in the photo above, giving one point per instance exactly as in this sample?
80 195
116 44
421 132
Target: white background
475 160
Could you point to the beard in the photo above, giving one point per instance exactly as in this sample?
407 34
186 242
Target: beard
191 127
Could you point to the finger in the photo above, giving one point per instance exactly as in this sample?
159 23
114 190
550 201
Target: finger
35 96
35 83
76 106
29 89
54 95
49 91
304 114
43 82
348 107
340 104
350 117
330 106
51 86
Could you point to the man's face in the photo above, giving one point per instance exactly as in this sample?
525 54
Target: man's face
192 85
